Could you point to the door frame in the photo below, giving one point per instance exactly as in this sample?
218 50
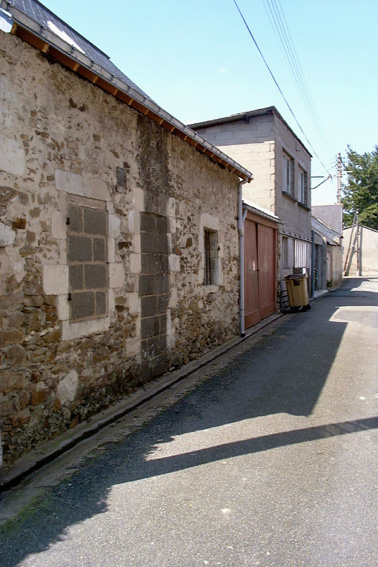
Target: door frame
260 312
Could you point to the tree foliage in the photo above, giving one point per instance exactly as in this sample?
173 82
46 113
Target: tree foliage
361 190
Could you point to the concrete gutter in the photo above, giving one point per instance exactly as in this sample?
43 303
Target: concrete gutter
46 453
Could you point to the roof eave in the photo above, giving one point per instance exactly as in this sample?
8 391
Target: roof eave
245 116
31 32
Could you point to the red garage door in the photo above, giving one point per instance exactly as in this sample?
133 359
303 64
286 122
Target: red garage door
260 260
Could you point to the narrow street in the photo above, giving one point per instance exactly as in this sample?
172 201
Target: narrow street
271 461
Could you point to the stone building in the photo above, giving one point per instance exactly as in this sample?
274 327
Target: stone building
263 142
119 247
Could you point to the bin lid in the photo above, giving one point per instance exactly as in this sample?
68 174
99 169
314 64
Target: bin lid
295 276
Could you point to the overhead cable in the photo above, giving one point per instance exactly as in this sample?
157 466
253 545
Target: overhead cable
282 31
276 83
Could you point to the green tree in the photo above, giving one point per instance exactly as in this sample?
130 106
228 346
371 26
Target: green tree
361 190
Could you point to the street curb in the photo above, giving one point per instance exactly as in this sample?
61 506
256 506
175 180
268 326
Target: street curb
45 454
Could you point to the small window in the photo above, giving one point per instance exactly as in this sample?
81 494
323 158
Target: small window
302 254
302 186
211 257
287 175
285 252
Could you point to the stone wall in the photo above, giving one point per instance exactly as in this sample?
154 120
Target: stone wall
102 220
251 143
367 245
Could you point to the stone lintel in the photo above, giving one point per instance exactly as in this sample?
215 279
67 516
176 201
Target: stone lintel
69 182
58 225
135 263
55 279
116 275
83 328
174 263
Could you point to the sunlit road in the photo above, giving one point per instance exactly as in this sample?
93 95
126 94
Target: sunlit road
273 462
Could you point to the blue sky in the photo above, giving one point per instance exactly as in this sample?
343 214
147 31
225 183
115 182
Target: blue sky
197 60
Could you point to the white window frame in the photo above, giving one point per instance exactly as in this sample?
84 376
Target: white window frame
302 186
287 174
302 251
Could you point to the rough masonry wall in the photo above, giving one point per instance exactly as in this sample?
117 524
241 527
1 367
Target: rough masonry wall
250 143
201 316
68 147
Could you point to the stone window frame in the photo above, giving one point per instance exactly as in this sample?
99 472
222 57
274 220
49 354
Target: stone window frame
86 228
211 224
72 329
87 190
211 256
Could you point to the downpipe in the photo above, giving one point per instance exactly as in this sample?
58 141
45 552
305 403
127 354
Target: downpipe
241 218
312 263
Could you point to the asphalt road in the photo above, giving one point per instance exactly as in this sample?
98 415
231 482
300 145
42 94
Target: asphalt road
271 461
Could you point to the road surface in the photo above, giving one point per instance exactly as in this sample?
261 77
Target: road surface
271 461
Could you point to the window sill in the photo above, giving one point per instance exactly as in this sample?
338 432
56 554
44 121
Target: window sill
304 206
211 288
289 196
74 330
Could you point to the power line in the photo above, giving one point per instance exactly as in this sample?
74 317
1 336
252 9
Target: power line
282 31
276 82
321 170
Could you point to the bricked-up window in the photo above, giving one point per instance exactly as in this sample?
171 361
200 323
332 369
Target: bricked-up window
211 256
154 293
88 277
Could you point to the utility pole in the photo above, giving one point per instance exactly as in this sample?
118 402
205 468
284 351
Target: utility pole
339 173
358 248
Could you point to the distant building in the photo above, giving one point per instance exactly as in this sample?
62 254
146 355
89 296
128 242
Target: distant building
330 215
360 251
327 256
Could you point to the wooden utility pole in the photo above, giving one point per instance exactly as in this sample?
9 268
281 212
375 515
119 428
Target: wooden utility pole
358 248
339 173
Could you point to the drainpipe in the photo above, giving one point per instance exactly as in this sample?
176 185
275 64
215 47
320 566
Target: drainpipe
312 263
241 218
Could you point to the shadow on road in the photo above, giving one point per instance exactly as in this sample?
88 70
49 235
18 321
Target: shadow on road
284 373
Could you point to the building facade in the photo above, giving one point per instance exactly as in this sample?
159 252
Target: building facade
327 259
264 143
119 247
